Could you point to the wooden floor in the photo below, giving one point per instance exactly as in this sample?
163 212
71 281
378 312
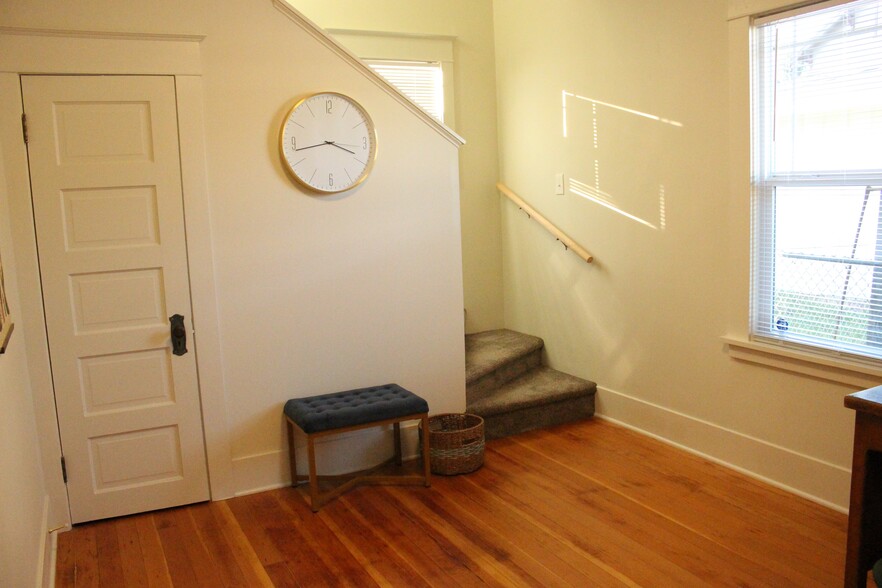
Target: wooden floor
590 504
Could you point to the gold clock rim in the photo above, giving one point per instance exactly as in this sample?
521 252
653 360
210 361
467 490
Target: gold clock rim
372 156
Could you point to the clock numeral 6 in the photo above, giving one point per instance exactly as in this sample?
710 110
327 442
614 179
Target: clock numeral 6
330 179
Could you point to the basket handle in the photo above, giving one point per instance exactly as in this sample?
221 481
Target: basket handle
471 441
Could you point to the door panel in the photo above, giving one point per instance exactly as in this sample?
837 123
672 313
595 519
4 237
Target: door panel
105 175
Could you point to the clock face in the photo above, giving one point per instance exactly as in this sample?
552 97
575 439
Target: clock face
328 142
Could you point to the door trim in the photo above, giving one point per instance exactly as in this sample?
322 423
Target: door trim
35 53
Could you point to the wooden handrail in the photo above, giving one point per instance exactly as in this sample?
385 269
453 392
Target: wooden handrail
558 234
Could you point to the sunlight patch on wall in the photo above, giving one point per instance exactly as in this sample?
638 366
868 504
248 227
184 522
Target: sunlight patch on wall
630 153
594 195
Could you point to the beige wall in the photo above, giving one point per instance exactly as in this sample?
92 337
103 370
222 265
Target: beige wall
646 320
22 489
470 22
314 294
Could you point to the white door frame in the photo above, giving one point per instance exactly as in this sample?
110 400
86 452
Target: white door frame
37 52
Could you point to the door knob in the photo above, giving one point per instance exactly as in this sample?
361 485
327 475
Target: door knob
178 334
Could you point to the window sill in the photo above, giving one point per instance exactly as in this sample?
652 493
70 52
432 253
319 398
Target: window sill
841 371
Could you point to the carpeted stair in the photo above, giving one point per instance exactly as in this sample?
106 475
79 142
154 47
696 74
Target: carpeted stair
507 384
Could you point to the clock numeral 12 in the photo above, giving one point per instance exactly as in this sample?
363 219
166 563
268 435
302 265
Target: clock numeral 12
328 106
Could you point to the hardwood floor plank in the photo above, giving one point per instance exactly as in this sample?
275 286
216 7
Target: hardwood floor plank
244 554
575 568
215 546
65 560
131 557
180 568
694 500
821 528
603 538
151 550
307 567
587 504
369 548
86 557
281 577
255 531
388 532
489 556
676 543
316 533
422 541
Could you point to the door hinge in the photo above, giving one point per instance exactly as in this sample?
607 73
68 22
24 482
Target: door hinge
24 127
63 470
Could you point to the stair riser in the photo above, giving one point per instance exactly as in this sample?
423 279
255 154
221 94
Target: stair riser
520 421
485 385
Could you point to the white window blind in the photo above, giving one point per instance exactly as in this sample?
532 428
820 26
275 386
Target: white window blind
817 178
422 82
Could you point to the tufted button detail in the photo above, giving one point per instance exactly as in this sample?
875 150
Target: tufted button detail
353 407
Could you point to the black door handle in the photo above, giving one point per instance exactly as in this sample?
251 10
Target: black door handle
178 334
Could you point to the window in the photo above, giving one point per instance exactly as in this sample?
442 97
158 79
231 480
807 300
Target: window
421 81
420 66
816 126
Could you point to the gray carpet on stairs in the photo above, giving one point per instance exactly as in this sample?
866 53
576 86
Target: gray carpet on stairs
507 385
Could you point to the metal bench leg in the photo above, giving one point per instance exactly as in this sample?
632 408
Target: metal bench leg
396 430
313 478
427 471
292 456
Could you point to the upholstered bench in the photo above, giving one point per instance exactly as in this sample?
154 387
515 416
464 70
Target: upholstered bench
330 414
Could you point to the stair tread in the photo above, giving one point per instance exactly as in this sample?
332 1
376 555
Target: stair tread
538 387
489 350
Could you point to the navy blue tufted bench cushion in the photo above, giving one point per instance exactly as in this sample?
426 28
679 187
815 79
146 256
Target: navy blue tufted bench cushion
353 407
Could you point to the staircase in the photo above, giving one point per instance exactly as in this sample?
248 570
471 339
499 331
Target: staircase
508 386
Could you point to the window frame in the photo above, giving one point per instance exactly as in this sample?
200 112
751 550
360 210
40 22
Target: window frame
763 184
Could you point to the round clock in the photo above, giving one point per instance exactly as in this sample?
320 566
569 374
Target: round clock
328 142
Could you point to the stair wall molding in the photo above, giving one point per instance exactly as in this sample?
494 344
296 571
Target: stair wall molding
816 480
355 62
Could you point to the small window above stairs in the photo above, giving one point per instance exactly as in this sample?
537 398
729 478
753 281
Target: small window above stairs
508 386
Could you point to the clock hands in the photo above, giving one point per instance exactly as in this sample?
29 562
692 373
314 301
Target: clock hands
311 146
322 144
338 147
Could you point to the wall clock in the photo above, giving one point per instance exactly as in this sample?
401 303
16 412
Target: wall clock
328 143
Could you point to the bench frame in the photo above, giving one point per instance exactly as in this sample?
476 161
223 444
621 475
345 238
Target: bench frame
318 499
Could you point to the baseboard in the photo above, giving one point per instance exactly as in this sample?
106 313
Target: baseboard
806 476
45 577
337 454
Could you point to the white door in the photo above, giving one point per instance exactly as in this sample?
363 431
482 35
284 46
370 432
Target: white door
108 208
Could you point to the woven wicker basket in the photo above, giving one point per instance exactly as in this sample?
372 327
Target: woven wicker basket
456 443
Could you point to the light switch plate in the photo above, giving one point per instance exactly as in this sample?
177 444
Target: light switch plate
559 184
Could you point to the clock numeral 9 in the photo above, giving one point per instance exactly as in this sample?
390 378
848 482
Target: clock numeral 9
329 106
294 143
330 179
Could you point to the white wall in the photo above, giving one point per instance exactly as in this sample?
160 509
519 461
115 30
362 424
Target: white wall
315 294
646 320
23 536
470 23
